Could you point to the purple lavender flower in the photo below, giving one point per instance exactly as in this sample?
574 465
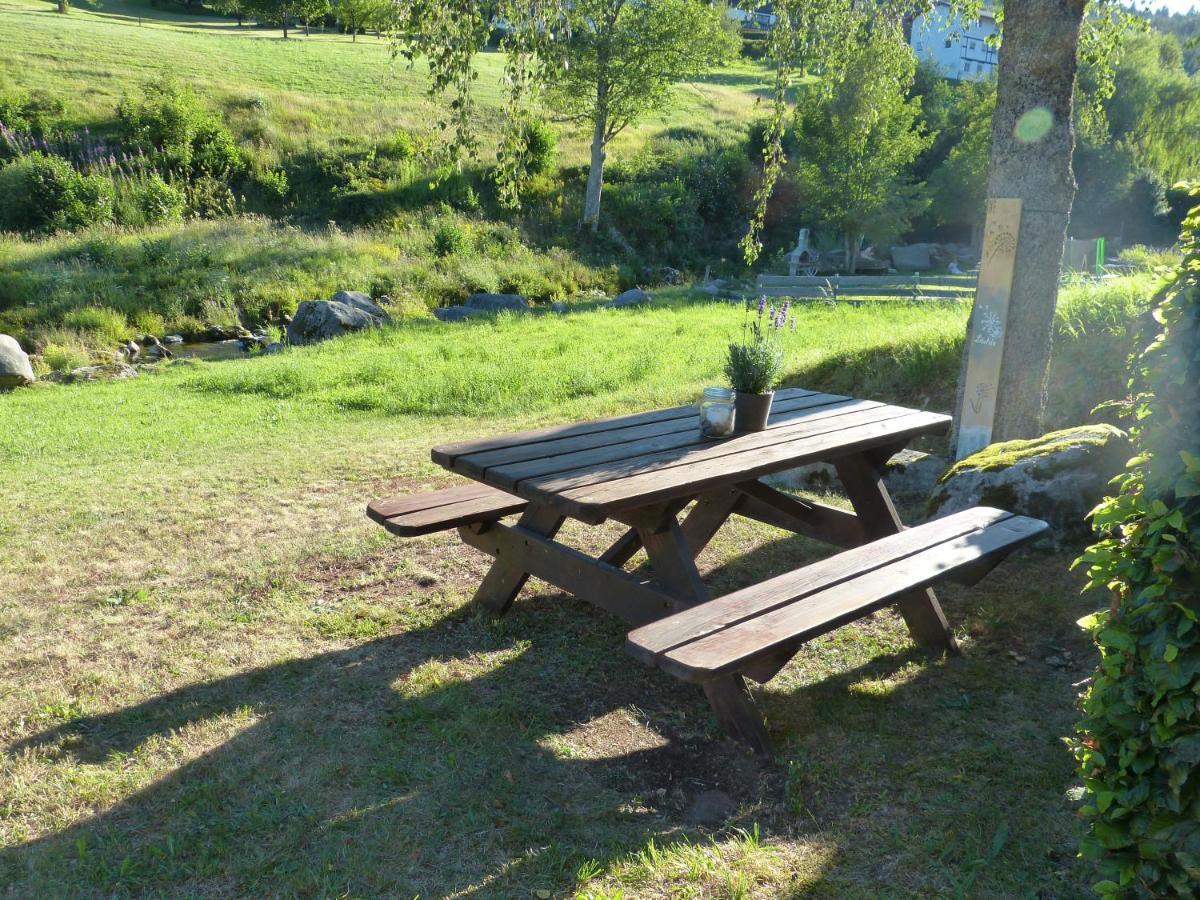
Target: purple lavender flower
762 302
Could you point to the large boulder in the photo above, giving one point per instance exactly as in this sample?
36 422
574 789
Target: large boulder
912 258
15 368
102 372
497 302
1058 477
319 320
456 313
631 297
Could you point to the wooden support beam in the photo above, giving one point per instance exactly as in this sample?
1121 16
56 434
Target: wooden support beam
862 477
805 517
598 583
705 519
736 712
508 574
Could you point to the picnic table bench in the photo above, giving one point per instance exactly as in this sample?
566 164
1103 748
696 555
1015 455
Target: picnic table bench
645 470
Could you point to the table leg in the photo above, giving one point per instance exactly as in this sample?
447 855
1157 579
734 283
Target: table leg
672 560
507 576
699 527
711 511
862 477
736 711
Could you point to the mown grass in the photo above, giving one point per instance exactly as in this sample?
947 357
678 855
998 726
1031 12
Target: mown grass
219 679
309 91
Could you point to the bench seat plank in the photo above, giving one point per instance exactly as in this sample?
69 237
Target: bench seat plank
718 637
416 514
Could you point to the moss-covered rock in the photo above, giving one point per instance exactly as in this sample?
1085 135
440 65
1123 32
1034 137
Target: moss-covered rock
1058 477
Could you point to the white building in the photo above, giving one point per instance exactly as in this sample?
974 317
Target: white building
960 49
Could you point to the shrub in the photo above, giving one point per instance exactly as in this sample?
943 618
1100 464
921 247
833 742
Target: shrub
449 238
35 112
272 183
169 119
158 201
541 147
105 326
209 198
1139 744
64 357
1149 258
43 194
399 146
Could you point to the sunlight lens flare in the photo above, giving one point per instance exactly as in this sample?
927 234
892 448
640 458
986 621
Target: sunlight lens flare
1033 125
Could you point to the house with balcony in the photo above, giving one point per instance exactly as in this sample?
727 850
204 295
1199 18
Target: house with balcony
960 49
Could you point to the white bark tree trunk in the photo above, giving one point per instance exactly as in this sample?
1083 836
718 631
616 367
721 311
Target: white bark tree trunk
595 182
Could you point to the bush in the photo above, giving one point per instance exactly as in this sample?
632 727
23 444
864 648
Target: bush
65 357
1139 744
1149 258
35 112
105 326
399 146
170 120
158 201
449 238
541 147
43 194
272 183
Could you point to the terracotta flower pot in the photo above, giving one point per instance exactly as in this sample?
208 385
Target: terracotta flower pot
752 411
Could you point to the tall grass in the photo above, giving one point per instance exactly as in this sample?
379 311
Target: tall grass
104 282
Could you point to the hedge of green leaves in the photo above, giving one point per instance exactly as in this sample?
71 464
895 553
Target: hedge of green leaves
1139 742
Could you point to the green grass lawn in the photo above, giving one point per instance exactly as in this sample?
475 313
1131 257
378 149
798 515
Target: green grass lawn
318 90
219 679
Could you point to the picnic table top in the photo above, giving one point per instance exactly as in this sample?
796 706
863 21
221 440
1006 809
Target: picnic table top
590 470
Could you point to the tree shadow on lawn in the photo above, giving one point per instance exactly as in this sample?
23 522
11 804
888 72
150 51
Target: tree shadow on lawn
445 759
494 759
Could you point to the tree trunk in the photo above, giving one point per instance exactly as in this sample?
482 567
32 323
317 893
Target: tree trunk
595 183
1032 142
285 27
354 35
64 6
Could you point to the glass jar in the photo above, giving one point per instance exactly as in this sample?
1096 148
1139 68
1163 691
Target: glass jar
716 413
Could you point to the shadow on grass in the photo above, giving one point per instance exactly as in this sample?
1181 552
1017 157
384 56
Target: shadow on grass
501 759
427 762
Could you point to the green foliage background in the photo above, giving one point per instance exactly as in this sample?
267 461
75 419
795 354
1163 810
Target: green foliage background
1139 741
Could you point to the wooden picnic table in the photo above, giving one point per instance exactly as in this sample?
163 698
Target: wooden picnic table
643 470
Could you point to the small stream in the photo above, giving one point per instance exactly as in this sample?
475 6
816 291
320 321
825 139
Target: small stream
212 350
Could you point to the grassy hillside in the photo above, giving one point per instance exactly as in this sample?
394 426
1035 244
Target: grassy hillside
316 90
323 114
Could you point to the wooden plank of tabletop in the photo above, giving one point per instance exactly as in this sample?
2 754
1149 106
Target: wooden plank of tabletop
595 502
445 454
478 464
735 453
508 476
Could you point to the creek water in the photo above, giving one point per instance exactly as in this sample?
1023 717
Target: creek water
214 350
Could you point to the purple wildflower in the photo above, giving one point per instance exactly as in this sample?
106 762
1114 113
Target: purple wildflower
762 302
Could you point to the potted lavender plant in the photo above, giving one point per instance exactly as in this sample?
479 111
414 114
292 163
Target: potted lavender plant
754 365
